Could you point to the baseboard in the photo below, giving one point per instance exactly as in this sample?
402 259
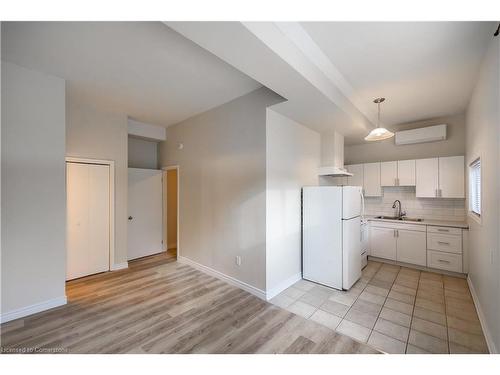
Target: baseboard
283 285
222 276
33 309
482 319
118 266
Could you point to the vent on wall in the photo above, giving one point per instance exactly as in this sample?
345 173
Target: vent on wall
421 135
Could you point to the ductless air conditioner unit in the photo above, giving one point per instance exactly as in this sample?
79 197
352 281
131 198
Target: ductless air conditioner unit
421 135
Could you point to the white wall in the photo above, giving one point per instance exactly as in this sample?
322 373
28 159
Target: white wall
142 153
388 151
93 133
222 177
482 134
292 159
33 192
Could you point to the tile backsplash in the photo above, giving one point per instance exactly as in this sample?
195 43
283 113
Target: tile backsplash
425 208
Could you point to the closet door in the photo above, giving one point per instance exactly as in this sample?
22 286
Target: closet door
88 225
145 209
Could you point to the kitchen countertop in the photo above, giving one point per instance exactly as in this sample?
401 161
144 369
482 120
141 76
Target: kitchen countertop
436 223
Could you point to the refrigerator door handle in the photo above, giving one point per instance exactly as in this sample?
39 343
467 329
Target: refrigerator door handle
362 205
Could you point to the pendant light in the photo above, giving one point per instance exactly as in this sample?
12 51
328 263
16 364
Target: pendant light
379 134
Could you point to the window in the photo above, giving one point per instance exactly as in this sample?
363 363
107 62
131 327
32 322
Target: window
475 187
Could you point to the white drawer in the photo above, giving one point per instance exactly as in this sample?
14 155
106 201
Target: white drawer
444 242
444 261
398 225
444 230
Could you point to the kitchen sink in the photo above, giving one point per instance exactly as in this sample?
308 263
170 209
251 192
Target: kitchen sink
398 218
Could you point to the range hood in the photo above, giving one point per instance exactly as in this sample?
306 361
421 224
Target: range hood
332 156
333 171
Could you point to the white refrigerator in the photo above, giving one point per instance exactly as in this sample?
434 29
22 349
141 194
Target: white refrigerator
331 235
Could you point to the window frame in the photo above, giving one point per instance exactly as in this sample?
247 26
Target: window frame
477 216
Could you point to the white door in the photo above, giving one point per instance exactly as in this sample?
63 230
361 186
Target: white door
371 180
322 235
351 201
383 243
427 183
145 209
357 174
451 177
88 219
411 247
389 173
351 247
406 173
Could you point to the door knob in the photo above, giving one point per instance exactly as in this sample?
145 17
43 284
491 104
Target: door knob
130 217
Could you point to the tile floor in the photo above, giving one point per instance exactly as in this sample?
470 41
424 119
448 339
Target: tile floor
395 309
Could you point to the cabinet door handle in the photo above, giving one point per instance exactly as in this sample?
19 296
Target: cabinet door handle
436 193
443 243
444 261
394 232
443 230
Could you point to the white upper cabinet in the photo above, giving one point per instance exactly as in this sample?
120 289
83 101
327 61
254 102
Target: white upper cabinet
440 177
427 178
406 173
451 177
397 173
371 180
357 178
389 173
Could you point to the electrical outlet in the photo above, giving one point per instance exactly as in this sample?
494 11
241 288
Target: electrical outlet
238 260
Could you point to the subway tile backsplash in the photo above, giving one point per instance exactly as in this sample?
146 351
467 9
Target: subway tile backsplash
425 208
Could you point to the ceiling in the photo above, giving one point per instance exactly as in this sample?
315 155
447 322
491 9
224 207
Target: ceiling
424 69
329 72
143 69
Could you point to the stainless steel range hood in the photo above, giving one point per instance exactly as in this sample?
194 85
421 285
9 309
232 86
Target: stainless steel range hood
332 156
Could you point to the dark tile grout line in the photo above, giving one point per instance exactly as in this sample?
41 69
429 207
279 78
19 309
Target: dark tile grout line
446 319
413 312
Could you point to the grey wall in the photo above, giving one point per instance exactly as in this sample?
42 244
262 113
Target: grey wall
387 150
142 153
483 131
222 176
33 188
293 157
95 134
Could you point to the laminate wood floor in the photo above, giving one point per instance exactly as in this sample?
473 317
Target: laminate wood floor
158 305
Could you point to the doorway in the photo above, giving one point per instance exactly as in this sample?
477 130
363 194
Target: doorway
171 209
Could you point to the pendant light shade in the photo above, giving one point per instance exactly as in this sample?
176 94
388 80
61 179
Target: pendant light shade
379 134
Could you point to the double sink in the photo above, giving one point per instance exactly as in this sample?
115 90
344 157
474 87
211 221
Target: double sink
398 218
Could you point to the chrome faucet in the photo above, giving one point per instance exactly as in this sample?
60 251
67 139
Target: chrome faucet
400 213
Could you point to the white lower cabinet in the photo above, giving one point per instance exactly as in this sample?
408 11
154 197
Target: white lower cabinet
421 245
383 243
411 247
